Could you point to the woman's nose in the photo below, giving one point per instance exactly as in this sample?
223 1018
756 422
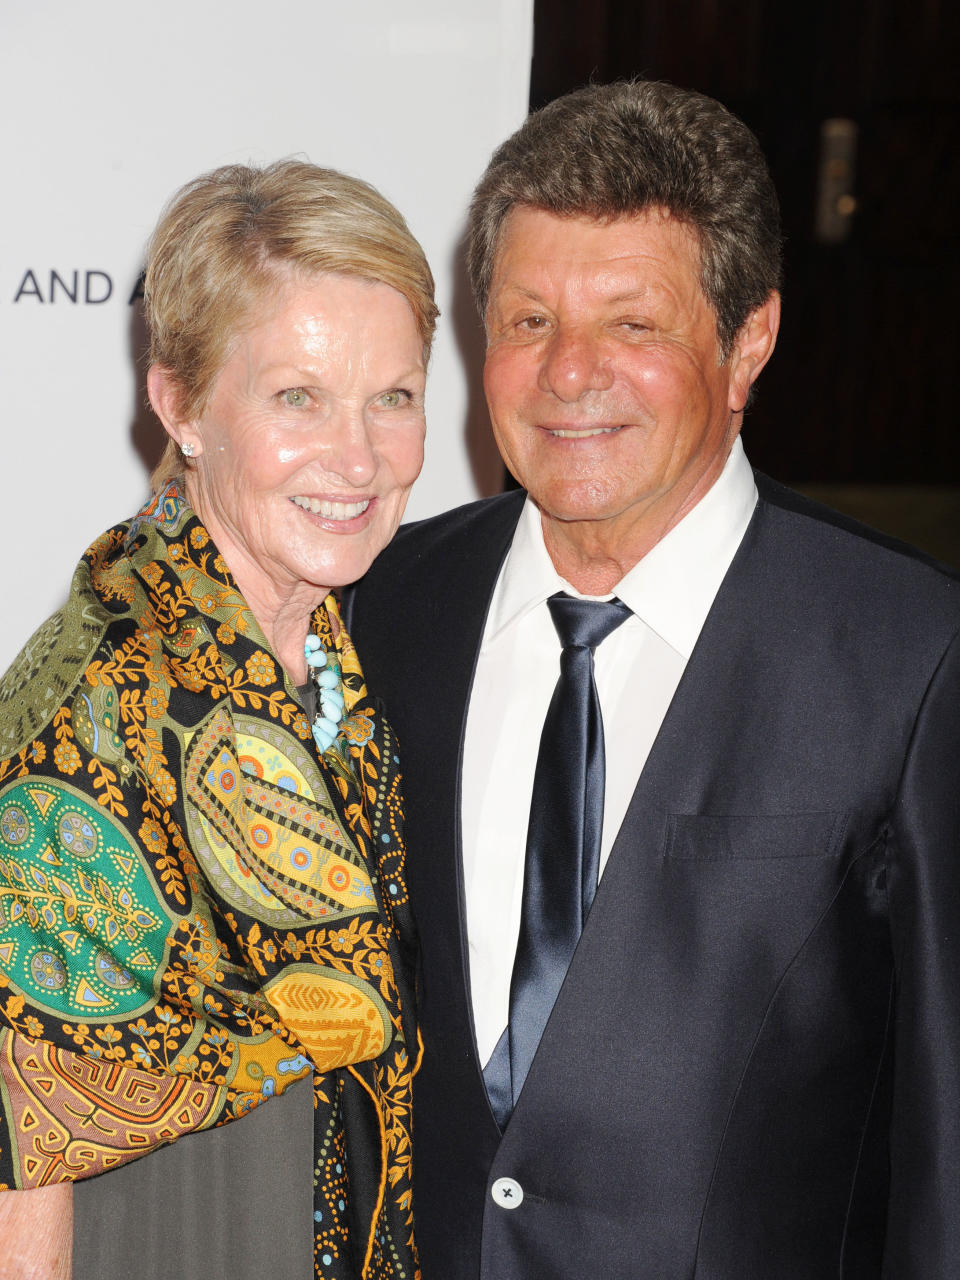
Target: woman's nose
351 454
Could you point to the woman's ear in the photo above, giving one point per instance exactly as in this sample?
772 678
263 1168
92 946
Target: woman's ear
166 397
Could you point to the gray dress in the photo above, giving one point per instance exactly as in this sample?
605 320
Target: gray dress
236 1201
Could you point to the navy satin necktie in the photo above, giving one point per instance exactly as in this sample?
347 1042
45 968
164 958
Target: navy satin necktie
563 843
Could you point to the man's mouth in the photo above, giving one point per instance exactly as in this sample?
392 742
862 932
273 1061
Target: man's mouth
331 510
582 433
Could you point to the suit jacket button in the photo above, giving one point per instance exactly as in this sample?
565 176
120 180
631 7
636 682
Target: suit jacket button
507 1193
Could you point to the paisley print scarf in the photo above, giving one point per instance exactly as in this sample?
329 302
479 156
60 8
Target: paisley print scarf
196 909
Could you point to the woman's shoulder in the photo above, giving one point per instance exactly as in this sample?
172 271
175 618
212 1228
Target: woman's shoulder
52 662
109 599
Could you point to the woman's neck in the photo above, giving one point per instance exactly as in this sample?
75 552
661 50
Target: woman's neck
283 609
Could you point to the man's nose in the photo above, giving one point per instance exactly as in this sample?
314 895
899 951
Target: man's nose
575 364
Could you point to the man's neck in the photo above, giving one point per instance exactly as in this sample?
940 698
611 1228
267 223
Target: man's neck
594 555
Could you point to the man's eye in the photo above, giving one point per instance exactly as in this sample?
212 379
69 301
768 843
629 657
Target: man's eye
533 323
394 399
295 397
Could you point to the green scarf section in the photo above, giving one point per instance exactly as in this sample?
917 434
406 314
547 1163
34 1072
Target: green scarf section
196 909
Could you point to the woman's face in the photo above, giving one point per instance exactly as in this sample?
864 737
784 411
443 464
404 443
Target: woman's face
311 438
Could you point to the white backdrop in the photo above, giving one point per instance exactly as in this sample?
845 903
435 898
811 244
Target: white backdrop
107 108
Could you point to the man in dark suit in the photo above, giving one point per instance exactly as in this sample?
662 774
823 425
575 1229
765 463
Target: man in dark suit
738 1060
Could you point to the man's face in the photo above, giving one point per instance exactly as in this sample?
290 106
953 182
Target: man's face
608 398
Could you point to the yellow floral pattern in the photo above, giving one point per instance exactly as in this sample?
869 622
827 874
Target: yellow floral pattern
195 908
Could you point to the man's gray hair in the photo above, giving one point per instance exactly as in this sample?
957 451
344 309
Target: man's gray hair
616 150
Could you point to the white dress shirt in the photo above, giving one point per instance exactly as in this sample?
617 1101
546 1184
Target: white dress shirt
638 667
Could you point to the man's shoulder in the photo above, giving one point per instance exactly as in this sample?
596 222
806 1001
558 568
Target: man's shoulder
852 562
437 533
435 572
460 541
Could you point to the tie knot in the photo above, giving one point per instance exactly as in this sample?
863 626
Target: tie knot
584 624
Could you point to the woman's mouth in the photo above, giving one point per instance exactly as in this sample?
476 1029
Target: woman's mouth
331 509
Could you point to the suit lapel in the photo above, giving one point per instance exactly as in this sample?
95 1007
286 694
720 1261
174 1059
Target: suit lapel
687 756
426 659
689 769
464 594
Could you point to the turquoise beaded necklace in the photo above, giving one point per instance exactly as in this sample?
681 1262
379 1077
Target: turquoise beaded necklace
324 671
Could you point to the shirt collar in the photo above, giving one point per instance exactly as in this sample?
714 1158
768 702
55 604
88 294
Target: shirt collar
671 589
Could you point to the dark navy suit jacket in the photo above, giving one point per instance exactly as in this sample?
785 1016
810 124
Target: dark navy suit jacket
751 1072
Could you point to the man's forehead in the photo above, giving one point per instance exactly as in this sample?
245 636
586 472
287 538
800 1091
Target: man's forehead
533 238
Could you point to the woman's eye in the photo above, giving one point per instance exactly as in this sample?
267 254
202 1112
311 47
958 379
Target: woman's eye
394 399
295 397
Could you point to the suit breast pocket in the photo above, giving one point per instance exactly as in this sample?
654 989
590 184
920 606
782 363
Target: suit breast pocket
739 837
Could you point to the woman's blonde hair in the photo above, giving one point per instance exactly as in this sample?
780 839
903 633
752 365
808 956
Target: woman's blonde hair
229 237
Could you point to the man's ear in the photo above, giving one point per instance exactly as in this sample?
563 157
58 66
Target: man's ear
752 348
166 397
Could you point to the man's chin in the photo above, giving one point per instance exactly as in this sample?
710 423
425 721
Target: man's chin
572 507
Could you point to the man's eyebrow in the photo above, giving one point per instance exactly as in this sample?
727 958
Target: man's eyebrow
522 291
628 295
637 295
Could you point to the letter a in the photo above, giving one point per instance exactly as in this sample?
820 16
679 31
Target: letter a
33 291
